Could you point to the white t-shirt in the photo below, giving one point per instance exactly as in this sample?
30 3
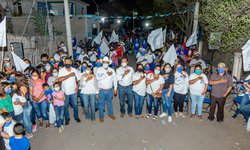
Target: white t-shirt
154 86
151 57
104 80
181 84
127 80
89 87
18 109
140 88
8 130
50 81
57 57
198 87
140 58
92 57
69 85
81 56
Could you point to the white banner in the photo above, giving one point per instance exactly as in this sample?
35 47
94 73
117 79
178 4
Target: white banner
170 56
114 37
164 33
155 39
19 63
246 56
192 39
3 33
105 40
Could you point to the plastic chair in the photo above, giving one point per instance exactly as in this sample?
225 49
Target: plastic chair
207 99
237 100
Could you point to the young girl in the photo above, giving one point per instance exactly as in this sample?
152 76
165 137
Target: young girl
58 100
18 103
5 99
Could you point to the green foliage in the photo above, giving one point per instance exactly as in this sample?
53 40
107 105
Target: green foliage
231 18
39 20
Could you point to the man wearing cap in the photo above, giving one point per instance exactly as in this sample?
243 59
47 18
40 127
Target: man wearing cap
222 84
107 84
124 78
196 61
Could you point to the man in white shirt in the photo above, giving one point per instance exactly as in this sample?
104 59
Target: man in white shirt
142 57
69 77
106 78
196 61
124 77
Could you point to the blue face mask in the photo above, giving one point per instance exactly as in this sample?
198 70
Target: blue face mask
8 91
12 79
47 67
98 64
84 68
221 70
142 53
7 124
180 69
52 62
147 68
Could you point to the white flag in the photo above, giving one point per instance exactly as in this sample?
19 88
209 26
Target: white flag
114 37
97 39
164 32
19 63
170 56
192 39
3 33
104 48
246 56
155 39
105 41
172 35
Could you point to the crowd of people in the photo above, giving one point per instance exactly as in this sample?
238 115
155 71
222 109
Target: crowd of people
92 79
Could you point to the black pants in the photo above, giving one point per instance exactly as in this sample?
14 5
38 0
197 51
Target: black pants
178 101
220 112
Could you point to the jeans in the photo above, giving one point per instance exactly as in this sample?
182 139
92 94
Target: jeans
167 101
139 100
19 118
150 100
220 101
41 110
81 98
59 110
196 100
178 101
125 91
244 101
72 101
27 117
89 102
105 97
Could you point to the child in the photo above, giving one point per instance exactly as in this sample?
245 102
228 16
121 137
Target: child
19 141
18 103
58 101
48 93
8 128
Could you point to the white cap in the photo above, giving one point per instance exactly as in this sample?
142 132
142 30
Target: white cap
106 59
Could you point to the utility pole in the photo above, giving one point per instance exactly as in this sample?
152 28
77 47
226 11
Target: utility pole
68 27
97 13
195 24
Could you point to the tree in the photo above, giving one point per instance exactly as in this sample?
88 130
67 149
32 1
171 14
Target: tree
231 18
39 20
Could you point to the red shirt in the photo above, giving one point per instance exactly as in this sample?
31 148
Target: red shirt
119 51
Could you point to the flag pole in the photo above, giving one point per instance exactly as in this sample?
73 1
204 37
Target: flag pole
2 56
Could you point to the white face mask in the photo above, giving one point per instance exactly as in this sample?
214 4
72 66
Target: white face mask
124 64
167 70
105 66
87 71
157 71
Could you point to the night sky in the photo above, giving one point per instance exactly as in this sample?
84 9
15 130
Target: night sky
142 6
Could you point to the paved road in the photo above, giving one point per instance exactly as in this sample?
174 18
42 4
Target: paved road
145 134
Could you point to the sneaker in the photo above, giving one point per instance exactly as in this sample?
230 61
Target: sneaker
142 116
148 116
62 127
60 130
34 128
163 115
136 117
29 136
176 115
170 119
154 118
182 115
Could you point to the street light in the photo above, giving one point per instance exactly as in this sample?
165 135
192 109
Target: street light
118 21
103 19
146 24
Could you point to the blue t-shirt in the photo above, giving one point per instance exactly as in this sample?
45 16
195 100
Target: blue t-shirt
48 94
19 144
